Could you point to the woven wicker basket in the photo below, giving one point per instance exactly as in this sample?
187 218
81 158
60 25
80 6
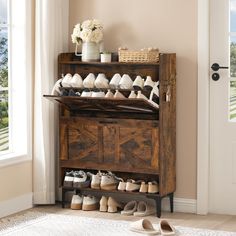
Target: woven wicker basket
142 56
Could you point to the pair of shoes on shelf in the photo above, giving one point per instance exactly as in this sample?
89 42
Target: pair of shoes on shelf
77 179
138 209
95 93
105 181
109 204
150 187
72 81
86 203
138 185
130 185
124 82
81 179
100 82
138 95
144 226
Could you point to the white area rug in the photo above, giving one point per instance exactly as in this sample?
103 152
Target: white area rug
63 225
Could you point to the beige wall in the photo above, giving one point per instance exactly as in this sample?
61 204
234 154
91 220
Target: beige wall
172 27
15 181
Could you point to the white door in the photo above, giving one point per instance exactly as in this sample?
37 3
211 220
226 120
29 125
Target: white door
222 179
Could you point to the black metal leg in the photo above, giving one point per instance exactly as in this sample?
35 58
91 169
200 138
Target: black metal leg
158 206
171 196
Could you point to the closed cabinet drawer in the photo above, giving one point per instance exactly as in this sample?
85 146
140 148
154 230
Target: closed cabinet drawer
114 144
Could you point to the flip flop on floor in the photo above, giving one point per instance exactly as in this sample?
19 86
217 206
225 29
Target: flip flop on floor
143 226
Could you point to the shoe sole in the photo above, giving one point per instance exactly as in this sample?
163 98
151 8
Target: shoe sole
103 208
108 187
112 209
95 186
90 207
76 206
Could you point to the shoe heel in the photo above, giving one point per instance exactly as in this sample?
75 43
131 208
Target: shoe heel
103 208
112 209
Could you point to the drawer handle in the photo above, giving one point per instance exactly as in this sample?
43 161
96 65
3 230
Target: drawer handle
108 122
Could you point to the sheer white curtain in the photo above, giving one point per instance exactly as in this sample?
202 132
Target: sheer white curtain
51 38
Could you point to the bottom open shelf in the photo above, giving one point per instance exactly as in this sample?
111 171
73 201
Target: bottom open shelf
150 195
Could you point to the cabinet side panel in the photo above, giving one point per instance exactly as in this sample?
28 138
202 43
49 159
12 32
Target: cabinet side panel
63 140
167 116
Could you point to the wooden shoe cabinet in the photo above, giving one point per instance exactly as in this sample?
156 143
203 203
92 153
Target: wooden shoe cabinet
129 137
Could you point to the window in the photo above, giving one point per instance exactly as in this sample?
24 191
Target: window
232 36
15 76
4 119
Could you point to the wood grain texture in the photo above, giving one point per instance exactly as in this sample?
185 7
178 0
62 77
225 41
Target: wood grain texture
130 137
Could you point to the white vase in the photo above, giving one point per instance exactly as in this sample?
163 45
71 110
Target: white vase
90 51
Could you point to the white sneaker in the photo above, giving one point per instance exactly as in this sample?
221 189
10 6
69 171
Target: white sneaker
89 81
132 94
98 94
66 80
140 95
90 203
96 180
56 88
118 94
76 202
81 179
121 186
68 179
76 81
154 95
109 181
101 81
86 93
138 83
126 82
115 80
109 94
132 185
149 83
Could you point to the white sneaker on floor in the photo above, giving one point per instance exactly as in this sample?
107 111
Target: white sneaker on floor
90 203
76 202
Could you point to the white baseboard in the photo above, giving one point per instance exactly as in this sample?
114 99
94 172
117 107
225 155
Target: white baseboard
15 205
180 205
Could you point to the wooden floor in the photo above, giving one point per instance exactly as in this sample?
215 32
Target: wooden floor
211 221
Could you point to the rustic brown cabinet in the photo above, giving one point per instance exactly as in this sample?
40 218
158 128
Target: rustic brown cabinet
129 137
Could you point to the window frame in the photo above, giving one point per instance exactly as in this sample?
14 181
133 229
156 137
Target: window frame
19 24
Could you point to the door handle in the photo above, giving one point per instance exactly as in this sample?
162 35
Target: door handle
216 67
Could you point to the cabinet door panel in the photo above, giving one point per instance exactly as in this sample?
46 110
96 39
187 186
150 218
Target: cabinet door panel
83 142
137 148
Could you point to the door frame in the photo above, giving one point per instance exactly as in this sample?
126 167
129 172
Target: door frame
203 107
